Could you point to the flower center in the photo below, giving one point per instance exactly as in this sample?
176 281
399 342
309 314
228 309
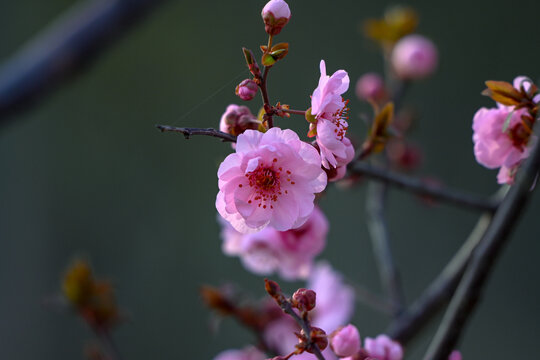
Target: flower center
266 182
339 118
520 135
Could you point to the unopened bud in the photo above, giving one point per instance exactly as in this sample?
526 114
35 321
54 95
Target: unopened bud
247 89
237 119
345 341
272 288
370 86
319 338
276 15
304 299
455 355
414 57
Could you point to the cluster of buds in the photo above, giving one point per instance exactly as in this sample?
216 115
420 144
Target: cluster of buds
93 299
311 339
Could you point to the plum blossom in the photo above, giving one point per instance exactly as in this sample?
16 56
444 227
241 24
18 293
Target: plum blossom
248 353
236 119
414 57
383 348
345 341
335 305
455 355
501 137
330 112
271 179
370 86
276 15
247 89
290 253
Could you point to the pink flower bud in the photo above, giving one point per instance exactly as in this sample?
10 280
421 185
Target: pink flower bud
304 299
247 89
237 119
383 348
370 86
345 341
455 355
414 57
276 15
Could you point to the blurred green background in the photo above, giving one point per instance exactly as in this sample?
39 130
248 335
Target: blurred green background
86 173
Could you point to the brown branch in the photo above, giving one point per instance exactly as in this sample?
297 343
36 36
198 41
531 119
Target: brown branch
65 48
471 286
264 93
197 131
423 188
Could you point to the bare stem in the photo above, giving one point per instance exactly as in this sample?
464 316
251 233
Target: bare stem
378 229
197 131
471 286
439 292
266 102
287 308
420 187
63 49
297 112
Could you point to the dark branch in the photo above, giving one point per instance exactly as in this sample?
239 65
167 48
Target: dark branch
439 292
196 131
378 229
420 187
64 48
482 261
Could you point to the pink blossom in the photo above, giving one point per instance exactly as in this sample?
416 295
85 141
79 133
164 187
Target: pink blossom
455 355
340 170
414 57
496 147
248 353
276 15
236 119
271 180
345 341
330 111
290 253
370 86
247 89
383 348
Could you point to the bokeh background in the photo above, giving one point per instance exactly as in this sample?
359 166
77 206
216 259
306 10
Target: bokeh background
86 173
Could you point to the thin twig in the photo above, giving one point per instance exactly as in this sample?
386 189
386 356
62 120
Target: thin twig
64 48
297 112
197 131
376 301
287 308
471 286
424 188
266 101
376 221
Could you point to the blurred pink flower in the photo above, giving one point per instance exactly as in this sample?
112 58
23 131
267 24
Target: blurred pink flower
290 253
236 119
345 341
276 15
271 180
455 355
330 111
414 57
495 146
370 86
383 348
248 353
